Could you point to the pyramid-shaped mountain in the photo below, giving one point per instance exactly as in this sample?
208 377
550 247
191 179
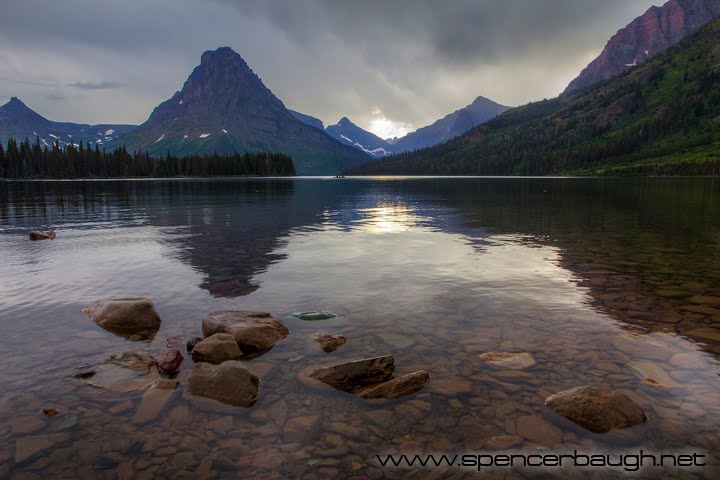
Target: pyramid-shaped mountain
225 108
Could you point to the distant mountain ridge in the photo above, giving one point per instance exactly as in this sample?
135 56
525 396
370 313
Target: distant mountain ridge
19 121
349 133
450 126
648 35
308 119
224 107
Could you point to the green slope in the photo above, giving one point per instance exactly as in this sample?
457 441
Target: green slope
661 118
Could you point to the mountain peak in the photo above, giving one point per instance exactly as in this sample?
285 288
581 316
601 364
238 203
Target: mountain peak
648 35
224 107
345 122
18 110
221 55
15 102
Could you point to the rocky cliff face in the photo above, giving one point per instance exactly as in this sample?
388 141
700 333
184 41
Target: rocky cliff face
224 107
646 36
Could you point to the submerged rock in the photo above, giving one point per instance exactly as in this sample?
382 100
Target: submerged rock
653 374
513 361
230 382
28 447
169 361
155 400
217 349
597 409
254 332
36 235
124 372
397 387
302 429
316 315
352 376
329 342
126 316
192 342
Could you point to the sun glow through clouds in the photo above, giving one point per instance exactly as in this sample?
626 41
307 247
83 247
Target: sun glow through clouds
385 128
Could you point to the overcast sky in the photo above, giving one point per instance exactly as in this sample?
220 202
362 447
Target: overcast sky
387 65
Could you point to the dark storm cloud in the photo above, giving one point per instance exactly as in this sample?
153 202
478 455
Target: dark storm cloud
411 61
103 85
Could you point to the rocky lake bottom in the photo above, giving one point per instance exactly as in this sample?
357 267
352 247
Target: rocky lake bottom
612 283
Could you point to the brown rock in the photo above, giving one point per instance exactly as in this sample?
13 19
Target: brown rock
688 360
352 376
253 331
27 447
597 409
125 315
169 361
705 333
26 424
165 384
653 374
302 429
705 300
230 382
397 387
36 235
451 385
125 372
329 342
538 430
508 360
154 401
503 442
217 349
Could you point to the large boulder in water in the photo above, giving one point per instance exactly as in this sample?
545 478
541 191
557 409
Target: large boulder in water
597 409
127 316
253 331
353 376
216 349
397 387
230 382
125 372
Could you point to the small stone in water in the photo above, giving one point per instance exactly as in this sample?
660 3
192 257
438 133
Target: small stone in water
85 374
169 361
49 412
329 342
317 315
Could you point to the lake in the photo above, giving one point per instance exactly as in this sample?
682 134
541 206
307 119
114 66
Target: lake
604 282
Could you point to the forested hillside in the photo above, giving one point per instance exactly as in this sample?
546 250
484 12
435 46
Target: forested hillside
24 160
661 118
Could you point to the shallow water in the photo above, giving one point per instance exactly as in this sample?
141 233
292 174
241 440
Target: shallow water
590 276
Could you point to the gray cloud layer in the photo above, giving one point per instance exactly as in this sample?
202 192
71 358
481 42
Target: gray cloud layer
413 61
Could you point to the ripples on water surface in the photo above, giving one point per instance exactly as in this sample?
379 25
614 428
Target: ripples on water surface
588 275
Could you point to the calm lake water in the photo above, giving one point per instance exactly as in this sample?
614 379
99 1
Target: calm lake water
607 282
